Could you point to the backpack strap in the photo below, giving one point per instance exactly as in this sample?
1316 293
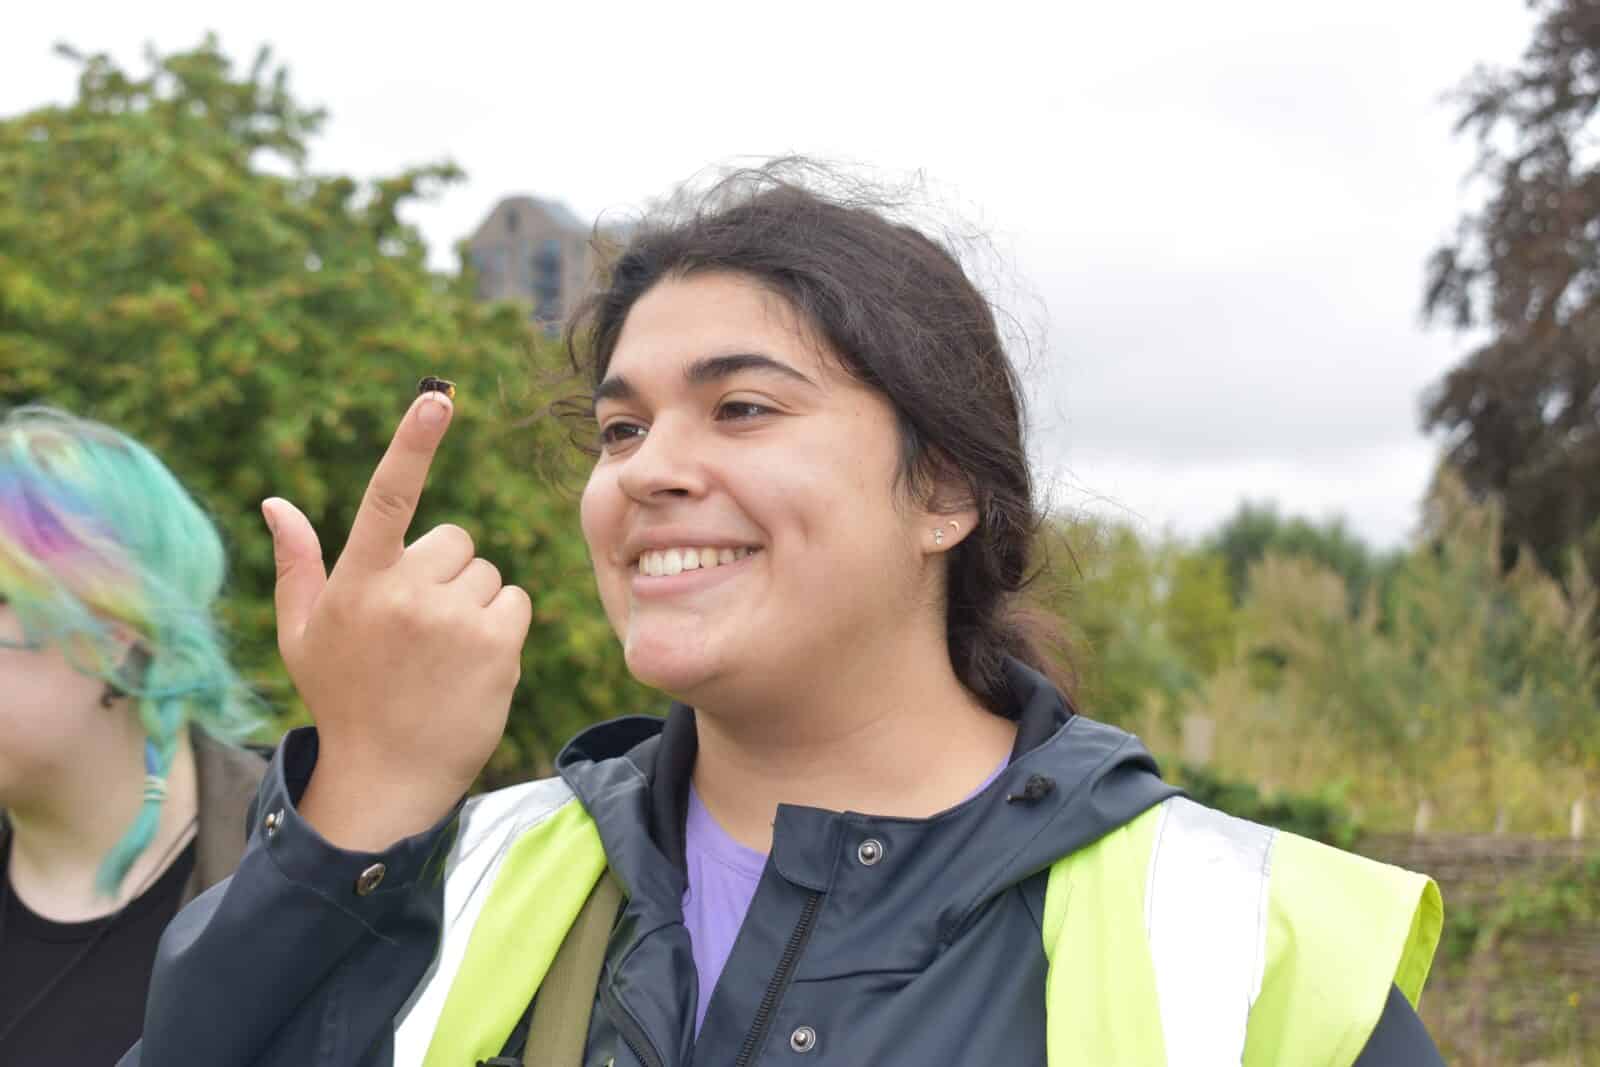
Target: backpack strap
560 1027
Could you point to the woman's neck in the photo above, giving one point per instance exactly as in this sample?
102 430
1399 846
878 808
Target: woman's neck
60 836
907 745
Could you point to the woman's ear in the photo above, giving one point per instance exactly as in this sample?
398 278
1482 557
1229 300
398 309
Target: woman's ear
946 531
950 514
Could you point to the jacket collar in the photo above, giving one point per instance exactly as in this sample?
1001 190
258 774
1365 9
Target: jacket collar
1041 710
633 776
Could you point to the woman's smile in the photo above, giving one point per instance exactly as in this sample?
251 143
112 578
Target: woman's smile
661 573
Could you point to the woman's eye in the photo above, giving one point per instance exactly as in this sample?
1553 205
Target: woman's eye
741 409
616 434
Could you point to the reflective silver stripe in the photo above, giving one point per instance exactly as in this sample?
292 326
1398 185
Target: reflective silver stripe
490 824
1206 918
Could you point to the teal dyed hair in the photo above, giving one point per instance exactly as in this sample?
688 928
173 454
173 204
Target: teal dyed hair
100 548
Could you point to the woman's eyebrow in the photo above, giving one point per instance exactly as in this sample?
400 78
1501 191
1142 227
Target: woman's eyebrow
703 371
615 387
714 368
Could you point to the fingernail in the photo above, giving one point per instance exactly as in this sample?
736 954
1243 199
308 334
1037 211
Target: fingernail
266 514
434 410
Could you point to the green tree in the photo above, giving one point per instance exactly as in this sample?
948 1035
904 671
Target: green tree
1150 620
1561 696
1334 670
1522 412
1256 529
170 265
1200 611
1456 634
1472 668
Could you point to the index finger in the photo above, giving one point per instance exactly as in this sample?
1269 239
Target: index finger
378 535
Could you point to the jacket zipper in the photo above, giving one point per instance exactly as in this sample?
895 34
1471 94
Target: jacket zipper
633 1034
779 984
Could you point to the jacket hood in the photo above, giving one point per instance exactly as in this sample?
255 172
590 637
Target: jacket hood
1070 781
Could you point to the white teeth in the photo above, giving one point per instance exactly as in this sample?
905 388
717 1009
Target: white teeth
659 562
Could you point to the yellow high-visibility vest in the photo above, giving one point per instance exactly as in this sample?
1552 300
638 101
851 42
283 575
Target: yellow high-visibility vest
1198 938
1186 937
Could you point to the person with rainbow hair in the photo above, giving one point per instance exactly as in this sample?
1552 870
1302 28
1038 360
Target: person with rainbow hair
120 798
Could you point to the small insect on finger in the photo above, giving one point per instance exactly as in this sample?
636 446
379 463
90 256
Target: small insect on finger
430 384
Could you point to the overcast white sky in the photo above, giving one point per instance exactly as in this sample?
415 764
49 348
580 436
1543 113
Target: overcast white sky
1218 213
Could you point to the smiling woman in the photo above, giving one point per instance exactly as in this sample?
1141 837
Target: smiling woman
810 355
701 451
870 828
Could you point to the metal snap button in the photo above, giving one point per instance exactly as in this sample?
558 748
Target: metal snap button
870 851
370 879
273 821
804 1039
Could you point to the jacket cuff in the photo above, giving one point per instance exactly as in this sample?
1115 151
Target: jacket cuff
370 886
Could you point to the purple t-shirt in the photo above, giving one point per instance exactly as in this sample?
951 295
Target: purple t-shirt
723 876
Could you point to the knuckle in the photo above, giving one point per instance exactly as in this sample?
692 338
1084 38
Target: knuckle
410 629
522 610
492 629
390 504
334 605
400 604
457 536
509 639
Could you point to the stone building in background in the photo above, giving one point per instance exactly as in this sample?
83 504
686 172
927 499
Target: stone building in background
535 251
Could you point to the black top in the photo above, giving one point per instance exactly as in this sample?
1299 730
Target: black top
98 971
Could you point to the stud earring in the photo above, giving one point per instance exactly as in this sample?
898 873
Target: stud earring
938 537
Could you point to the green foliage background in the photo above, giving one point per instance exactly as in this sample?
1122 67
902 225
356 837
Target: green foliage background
1449 681
169 265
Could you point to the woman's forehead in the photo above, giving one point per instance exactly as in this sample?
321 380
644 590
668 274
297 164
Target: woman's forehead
681 323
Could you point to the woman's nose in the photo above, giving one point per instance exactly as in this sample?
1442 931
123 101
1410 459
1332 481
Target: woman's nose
663 465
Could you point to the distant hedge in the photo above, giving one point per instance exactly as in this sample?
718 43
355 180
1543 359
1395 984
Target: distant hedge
1319 816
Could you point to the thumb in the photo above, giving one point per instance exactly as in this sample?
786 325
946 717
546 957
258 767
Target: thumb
301 573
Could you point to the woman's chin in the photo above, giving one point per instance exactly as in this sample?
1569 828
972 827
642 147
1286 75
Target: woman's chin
668 666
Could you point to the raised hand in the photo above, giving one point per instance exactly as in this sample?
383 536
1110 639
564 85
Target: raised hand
405 656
